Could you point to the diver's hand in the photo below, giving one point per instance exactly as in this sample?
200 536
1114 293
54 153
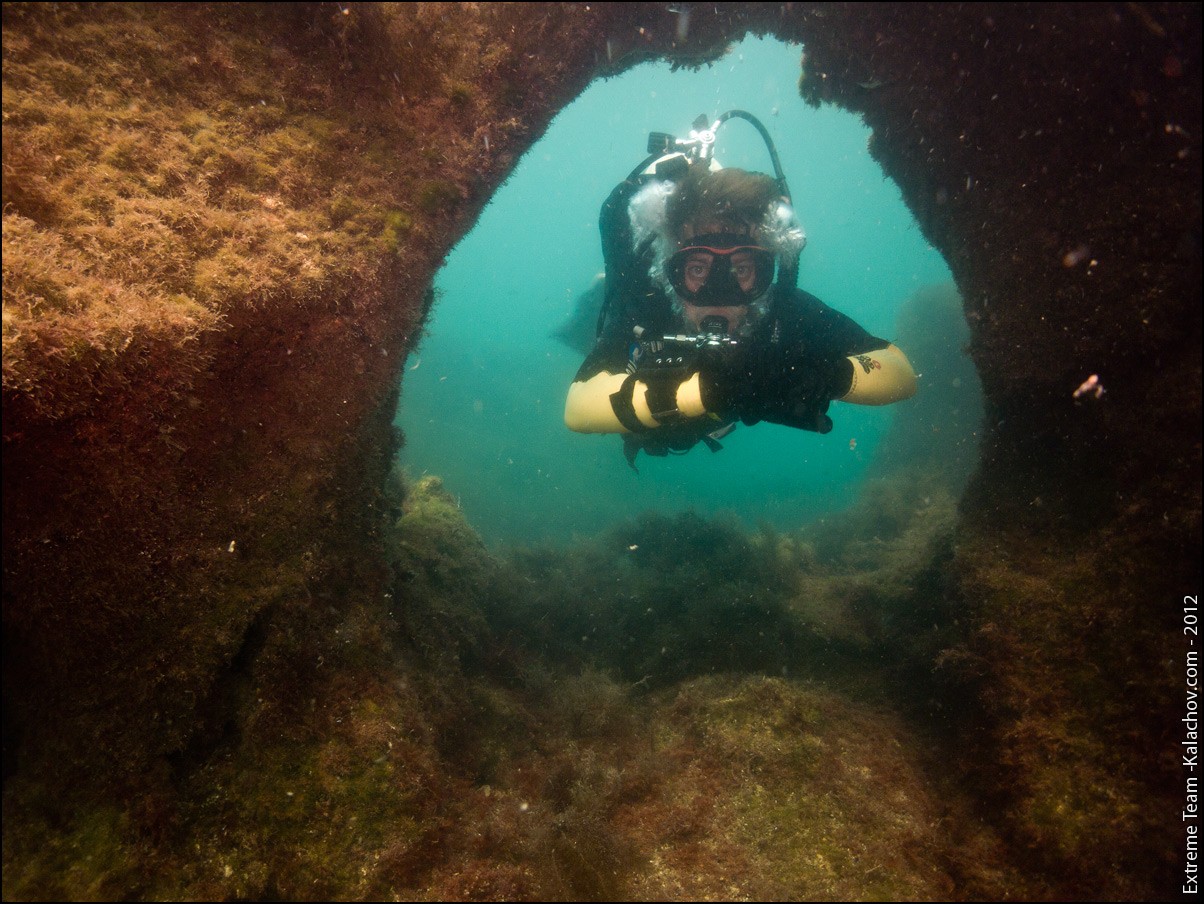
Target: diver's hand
779 387
724 382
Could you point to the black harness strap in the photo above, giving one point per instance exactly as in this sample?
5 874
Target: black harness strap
624 408
662 400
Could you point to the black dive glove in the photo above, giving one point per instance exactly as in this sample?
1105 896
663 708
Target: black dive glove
777 385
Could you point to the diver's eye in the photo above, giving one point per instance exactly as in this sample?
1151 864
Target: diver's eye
698 268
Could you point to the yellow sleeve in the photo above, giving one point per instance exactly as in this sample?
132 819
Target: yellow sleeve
588 408
880 378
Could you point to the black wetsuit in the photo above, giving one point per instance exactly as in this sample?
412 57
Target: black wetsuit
789 369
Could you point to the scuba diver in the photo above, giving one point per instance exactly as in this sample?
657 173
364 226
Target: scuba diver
702 324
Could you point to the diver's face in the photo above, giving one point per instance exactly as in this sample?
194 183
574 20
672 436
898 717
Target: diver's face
698 269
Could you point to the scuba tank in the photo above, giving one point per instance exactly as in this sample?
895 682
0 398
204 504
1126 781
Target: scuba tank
632 297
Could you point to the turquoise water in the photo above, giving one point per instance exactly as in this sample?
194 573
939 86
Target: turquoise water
483 395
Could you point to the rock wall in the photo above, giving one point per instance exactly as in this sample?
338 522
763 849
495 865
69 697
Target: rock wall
1047 152
220 227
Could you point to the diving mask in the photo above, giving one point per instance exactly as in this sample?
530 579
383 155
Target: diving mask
721 269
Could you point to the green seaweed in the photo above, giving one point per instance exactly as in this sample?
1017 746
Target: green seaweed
438 196
397 224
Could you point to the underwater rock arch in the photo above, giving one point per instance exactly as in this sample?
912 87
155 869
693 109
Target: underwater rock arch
185 459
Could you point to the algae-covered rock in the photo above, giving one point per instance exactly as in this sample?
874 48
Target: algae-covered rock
655 600
871 576
822 799
442 570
